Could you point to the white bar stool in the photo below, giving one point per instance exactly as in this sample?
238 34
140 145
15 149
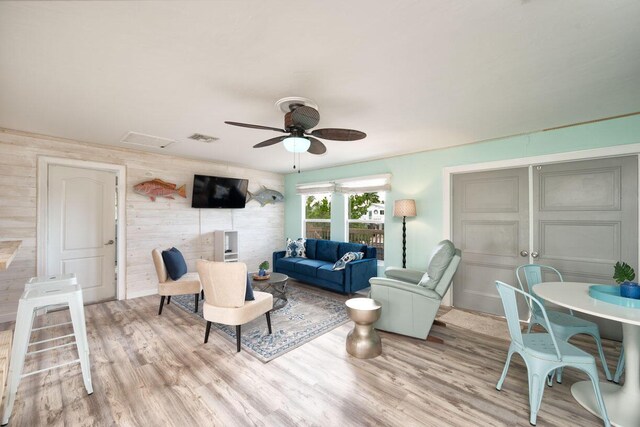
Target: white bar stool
41 292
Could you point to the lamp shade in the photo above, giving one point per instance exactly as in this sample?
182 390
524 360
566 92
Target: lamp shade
404 207
296 144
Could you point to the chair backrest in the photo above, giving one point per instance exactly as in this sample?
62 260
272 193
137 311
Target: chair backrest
508 296
530 275
161 269
224 283
447 277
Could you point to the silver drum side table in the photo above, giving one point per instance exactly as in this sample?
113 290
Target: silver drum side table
363 341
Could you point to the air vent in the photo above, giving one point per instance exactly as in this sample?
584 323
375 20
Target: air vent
203 138
143 140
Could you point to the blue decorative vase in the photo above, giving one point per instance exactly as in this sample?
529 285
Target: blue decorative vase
262 272
630 290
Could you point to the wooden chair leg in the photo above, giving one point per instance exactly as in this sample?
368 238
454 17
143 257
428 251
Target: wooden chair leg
206 332
169 300
238 338
196 309
268 314
161 304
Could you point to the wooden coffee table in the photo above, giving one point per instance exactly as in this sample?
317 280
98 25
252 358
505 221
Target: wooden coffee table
276 285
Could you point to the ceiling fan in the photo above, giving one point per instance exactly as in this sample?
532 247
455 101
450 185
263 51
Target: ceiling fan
301 115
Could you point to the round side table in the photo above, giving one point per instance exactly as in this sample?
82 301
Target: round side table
363 341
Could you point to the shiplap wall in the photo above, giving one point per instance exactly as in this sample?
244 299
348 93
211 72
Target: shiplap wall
163 223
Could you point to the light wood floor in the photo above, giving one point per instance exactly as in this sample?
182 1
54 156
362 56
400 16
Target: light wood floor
151 370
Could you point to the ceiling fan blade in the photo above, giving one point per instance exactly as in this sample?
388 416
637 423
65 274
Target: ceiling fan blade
339 134
305 117
271 141
316 147
245 125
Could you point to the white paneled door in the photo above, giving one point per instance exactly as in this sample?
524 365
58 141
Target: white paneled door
582 218
81 228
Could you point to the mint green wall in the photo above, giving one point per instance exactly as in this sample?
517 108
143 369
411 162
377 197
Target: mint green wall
419 176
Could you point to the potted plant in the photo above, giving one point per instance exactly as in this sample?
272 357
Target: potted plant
262 268
624 274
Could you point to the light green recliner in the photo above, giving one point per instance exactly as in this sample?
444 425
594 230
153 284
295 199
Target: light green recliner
410 299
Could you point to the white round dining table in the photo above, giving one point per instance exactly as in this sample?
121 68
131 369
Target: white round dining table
622 402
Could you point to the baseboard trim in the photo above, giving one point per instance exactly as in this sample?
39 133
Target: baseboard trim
141 293
8 317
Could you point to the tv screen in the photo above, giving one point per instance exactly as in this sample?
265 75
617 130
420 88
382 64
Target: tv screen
218 192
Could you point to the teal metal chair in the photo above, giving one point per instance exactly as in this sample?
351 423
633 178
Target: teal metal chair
542 352
620 367
564 325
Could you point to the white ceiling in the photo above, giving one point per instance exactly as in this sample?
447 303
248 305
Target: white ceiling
413 75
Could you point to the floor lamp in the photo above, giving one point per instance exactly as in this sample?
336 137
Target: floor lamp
404 208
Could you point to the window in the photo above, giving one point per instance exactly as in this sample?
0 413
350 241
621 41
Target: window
317 216
366 220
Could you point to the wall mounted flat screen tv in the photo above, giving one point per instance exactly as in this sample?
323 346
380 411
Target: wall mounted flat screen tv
218 192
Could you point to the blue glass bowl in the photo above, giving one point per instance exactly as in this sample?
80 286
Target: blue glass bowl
630 290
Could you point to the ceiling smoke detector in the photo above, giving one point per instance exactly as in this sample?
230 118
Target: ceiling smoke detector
203 138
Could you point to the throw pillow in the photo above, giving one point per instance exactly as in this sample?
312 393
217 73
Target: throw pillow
295 248
174 261
248 295
348 257
440 260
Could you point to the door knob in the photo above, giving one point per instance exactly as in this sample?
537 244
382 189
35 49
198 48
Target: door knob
534 254
110 242
524 253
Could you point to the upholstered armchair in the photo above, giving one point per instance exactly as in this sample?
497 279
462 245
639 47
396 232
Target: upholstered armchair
225 286
187 284
410 298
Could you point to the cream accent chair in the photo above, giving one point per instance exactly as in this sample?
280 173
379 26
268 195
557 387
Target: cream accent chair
225 285
187 284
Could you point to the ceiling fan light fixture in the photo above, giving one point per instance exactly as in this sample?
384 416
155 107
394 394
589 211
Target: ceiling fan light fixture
296 144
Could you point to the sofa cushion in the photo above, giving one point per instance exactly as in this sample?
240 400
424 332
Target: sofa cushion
327 250
175 263
343 248
295 248
308 267
310 248
326 272
288 263
440 259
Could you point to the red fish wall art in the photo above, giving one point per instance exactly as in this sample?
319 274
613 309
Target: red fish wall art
159 188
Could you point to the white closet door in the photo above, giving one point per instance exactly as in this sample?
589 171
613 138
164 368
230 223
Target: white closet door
81 229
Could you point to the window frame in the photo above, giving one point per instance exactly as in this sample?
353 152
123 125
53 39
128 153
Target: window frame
306 220
348 221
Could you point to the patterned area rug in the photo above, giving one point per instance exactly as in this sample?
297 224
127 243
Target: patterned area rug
306 316
485 324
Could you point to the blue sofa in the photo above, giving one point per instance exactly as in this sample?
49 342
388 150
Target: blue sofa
316 268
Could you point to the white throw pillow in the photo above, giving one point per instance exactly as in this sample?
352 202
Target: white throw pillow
295 248
348 257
